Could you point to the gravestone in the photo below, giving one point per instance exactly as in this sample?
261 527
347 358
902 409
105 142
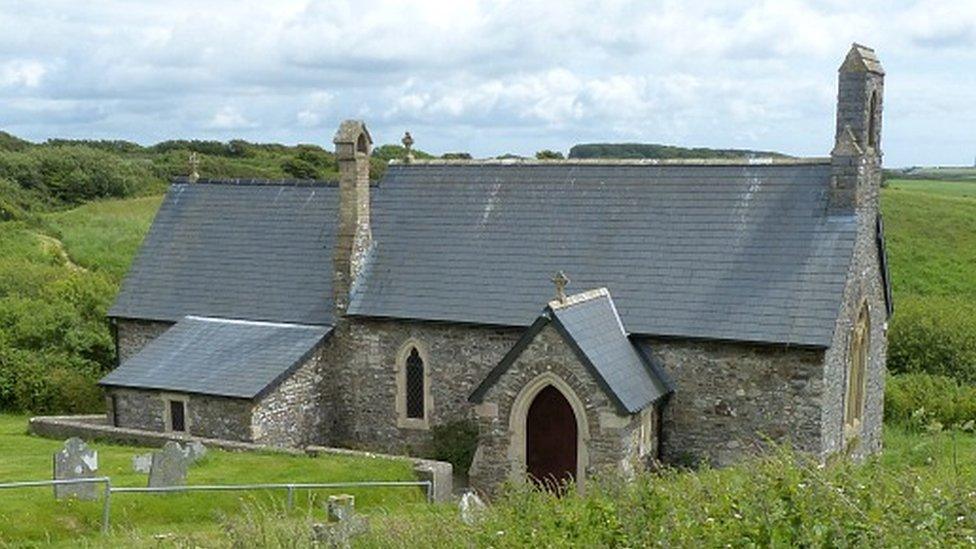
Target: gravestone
343 523
142 463
168 466
471 507
341 507
76 460
194 451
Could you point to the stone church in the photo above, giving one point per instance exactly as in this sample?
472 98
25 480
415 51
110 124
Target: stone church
586 315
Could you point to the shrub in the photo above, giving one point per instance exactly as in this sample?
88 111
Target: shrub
455 443
73 174
300 169
918 400
781 500
935 336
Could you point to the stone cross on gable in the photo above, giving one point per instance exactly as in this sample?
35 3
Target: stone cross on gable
194 164
560 280
407 144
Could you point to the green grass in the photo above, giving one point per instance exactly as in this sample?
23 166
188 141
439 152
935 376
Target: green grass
930 229
32 515
919 493
105 236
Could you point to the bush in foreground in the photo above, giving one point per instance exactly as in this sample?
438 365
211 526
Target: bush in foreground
783 500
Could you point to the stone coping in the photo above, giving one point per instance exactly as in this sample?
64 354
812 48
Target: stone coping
759 161
96 427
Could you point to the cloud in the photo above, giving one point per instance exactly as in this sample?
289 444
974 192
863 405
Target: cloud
229 118
485 76
21 73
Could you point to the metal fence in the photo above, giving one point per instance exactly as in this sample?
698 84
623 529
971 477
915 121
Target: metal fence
289 487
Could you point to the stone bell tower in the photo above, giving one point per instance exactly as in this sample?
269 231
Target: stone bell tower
856 157
353 235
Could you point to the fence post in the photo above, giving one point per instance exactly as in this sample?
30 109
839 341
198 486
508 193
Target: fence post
291 497
106 506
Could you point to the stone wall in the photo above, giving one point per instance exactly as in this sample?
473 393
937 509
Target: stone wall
206 416
609 439
291 414
133 335
864 285
730 397
363 355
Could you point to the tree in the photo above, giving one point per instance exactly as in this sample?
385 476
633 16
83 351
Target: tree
547 154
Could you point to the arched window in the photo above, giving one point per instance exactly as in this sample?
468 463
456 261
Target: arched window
857 372
413 386
873 121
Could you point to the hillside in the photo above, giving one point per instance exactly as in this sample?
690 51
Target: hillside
656 151
63 173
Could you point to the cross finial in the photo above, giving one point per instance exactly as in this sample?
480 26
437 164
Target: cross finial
407 144
560 280
194 164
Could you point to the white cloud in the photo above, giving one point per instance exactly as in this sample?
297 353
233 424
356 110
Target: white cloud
229 118
21 73
488 76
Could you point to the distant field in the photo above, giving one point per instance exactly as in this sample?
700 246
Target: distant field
33 516
930 227
959 172
955 189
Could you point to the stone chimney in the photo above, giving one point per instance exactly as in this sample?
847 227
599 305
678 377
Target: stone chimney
856 157
353 234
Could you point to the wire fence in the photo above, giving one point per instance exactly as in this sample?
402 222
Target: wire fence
290 488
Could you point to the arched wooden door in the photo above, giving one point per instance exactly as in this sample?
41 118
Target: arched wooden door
550 439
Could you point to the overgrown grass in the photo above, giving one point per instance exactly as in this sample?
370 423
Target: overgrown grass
105 236
920 493
33 516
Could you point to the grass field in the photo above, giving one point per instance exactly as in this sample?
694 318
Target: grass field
32 515
930 228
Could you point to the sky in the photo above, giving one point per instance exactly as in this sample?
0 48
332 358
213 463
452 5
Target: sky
488 77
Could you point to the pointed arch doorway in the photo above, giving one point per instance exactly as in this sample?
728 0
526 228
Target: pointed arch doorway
551 439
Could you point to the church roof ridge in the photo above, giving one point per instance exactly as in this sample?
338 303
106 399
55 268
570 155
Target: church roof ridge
581 297
759 161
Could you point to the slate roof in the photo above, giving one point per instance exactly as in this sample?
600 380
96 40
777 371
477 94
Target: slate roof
733 251
239 359
246 249
590 324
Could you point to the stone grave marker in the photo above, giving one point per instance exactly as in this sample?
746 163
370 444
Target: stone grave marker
168 467
194 451
343 522
142 463
471 507
341 507
76 460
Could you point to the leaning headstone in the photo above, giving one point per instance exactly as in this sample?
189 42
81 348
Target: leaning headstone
471 507
168 466
75 461
142 463
194 451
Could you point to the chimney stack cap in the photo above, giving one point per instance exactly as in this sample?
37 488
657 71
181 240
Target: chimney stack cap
353 135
